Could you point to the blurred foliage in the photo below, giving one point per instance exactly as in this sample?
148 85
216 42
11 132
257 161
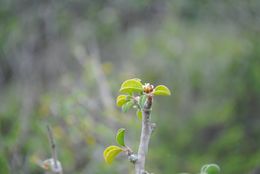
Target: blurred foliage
61 63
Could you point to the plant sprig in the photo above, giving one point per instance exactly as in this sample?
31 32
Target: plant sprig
135 95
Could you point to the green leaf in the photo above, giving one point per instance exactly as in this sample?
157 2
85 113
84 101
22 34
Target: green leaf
111 152
120 136
121 99
127 106
210 169
142 100
161 90
139 114
131 85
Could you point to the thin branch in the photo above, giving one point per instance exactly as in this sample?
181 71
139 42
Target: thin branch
53 146
104 89
102 84
147 129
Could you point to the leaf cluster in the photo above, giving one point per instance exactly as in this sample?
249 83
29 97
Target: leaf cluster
133 95
112 151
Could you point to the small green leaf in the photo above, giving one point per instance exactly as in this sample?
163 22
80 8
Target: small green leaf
121 99
120 136
127 106
142 100
109 148
212 169
111 152
139 114
161 90
131 85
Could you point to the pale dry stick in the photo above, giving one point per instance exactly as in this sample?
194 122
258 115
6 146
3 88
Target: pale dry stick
54 151
147 129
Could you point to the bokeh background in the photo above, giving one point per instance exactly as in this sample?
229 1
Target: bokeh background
62 63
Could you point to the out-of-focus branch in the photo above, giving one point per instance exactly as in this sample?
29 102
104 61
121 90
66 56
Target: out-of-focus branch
53 162
53 146
104 89
102 84
101 80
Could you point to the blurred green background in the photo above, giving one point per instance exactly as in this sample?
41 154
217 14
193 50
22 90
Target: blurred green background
62 63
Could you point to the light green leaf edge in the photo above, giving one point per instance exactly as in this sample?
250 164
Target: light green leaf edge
120 136
202 170
162 90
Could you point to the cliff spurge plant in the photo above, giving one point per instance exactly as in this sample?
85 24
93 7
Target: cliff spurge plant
139 96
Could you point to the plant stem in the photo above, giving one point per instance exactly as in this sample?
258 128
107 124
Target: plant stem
147 129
